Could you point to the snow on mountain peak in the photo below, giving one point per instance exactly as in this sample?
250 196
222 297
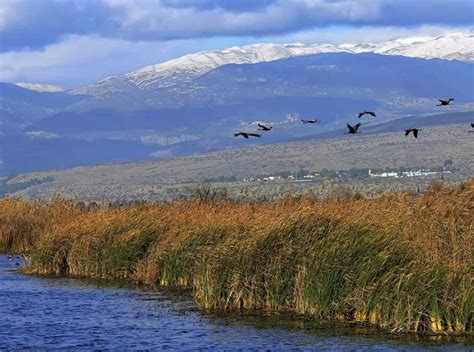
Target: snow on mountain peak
193 65
453 46
48 88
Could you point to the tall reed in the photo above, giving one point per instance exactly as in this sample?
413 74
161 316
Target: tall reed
404 262
21 223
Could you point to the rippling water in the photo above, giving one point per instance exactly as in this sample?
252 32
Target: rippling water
61 313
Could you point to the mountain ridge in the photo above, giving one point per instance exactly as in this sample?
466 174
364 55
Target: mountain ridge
455 46
38 87
201 113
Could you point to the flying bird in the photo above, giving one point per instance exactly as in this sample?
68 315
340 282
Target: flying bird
264 128
414 130
472 125
445 102
311 121
246 134
365 112
353 129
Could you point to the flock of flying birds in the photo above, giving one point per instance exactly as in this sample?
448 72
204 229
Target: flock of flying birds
352 128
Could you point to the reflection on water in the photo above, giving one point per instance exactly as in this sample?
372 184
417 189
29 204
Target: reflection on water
46 313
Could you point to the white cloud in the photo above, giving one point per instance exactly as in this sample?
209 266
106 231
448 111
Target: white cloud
7 14
366 34
42 22
83 59
80 60
153 19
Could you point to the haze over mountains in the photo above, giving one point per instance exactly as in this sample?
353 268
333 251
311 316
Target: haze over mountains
193 104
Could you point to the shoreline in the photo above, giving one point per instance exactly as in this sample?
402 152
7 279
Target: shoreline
354 327
401 263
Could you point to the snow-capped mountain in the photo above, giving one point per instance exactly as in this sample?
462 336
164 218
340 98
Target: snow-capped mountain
190 66
194 65
455 46
49 88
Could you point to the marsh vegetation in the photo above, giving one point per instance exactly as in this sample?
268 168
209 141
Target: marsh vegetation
402 261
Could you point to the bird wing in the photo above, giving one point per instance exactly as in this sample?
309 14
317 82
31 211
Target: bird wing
356 127
372 113
407 132
350 128
472 125
361 114
254 134
260 125
415 133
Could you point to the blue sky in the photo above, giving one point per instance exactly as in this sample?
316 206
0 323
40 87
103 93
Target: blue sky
76 42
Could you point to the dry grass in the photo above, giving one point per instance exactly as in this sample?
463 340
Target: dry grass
22 223
404 262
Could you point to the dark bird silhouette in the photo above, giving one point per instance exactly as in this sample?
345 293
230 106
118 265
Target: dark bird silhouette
414 130
246 135
472 125
365 112
353 129
311 121
445 102
264 128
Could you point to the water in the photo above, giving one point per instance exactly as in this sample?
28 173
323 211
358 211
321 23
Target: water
62 313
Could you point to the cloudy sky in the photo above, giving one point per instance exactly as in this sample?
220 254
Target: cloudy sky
75 42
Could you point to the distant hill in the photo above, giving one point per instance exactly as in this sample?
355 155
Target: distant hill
40 130
38 87
462 119
436 146
454 46
20 106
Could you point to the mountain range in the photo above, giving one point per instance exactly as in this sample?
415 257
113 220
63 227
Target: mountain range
193 104
455 46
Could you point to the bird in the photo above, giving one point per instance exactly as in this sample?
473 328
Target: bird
264 128
311 121
365 112
353 129
472 124
414 130
26 259
445 102
246 134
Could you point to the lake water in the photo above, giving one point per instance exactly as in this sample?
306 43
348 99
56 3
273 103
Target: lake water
62 313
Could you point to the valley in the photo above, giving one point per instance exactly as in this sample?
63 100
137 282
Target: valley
237 175
160 131
437 146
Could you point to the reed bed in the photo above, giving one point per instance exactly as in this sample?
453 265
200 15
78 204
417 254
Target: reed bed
22 223
403 262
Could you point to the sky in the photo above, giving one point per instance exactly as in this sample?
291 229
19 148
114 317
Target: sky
72 43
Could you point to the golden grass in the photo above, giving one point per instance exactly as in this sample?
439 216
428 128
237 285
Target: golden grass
403 262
